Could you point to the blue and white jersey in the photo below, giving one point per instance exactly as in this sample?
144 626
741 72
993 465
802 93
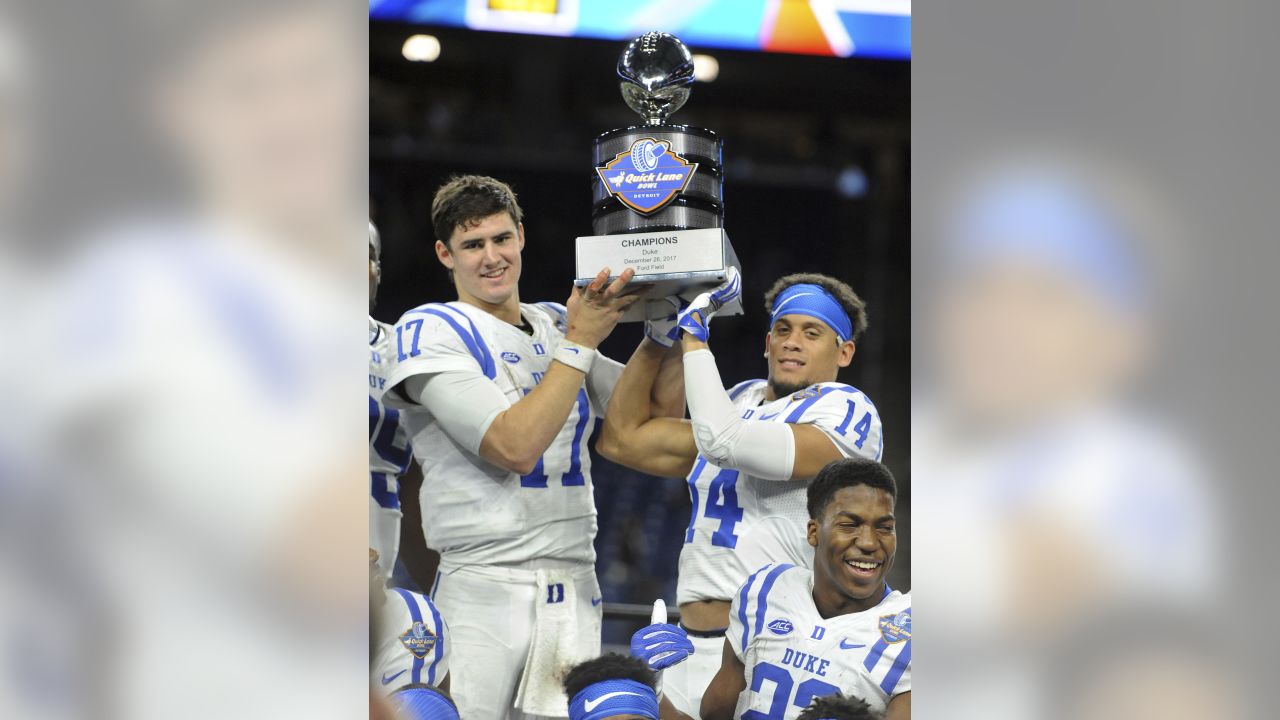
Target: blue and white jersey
413 642
389 454
740 522
791 654
473 512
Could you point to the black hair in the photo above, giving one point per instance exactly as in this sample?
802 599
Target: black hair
838 707
849 472
610 666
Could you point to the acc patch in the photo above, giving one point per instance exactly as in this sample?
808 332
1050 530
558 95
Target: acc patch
896 628
781 626
511 357
647 176
418 640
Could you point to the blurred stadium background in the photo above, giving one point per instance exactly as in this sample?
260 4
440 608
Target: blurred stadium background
817 157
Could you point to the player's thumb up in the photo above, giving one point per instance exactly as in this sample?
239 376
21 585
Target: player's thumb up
661 645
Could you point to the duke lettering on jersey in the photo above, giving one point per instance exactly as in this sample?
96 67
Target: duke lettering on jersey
866 654
548 513
740 522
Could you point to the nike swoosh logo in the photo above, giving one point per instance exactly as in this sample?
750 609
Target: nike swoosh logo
769 417
572 350
849 646
593 704
387 680
595 601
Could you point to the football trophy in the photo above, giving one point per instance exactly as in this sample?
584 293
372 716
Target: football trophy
658 188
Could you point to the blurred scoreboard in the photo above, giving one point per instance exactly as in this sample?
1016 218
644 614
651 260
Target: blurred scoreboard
842 28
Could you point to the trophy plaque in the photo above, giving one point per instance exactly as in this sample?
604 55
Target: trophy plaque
658 188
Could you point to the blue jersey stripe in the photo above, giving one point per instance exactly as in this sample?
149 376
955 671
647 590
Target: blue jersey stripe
740 388
895 673
574 475
762 600
873 657
474 344
416 615
436 585
808 402
742 605
439 648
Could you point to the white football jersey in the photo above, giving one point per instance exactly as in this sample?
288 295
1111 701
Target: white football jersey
413 643
741 522
389 454
473 512
791 654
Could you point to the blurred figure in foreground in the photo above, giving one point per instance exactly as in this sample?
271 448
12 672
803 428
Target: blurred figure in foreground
1046 498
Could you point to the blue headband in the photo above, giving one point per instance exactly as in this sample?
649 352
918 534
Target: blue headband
1053 223
420 703
608 698
814 301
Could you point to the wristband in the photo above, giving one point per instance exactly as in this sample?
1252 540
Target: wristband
578 357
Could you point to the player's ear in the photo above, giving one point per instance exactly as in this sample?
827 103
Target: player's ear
812 532
520 233
844 355
767 337
443 255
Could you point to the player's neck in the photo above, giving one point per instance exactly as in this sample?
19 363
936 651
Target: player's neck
508 311
831 602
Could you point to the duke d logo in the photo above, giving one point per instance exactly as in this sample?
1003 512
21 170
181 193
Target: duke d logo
648 176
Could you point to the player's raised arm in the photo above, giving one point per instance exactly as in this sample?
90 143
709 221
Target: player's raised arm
722 694
811 337
638 431
514 435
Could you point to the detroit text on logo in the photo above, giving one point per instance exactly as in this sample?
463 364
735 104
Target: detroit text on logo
647 176
418 640
896 628
781 626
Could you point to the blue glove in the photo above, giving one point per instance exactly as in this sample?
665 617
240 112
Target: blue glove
663 330
696 318
661 645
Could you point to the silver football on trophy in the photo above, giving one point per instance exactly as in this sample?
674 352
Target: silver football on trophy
656 71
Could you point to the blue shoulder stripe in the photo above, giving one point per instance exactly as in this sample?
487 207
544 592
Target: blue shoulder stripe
439 648
742 605
475 344
740 388
873 657
808 402
762 600
416 615
899 667
556 308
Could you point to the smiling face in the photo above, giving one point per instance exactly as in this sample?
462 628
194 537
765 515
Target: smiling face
803 350
855 540
484 256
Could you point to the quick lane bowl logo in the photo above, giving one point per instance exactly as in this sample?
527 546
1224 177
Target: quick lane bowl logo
781 626
896 628
418 640
809 392
511 357
648 176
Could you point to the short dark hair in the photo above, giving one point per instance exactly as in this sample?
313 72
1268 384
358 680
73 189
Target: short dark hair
849 472
467 199
610 666
853 305
838 707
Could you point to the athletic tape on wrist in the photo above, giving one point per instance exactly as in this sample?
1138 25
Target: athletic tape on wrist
578 357
609 698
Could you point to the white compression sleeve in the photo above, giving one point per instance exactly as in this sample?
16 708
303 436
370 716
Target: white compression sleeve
465 403
762 449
